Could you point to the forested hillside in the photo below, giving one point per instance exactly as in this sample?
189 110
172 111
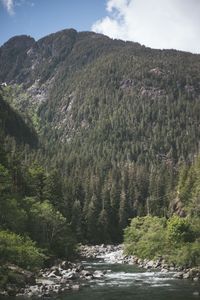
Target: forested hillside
116 119
13 124
176 239
32 229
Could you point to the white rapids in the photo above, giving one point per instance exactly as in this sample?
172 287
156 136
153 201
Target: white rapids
114 257
111 264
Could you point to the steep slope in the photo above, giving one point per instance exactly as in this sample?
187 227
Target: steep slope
117 118
12 124
28 199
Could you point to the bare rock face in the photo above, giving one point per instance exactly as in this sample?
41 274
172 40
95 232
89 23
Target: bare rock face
127 83
13 56
177 207
156 71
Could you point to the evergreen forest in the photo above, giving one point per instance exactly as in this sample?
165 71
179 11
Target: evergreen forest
95 132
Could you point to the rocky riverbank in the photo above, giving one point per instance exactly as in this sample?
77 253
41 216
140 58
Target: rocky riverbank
48 282
114 254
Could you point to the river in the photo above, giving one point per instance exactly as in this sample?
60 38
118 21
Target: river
128 282
125 282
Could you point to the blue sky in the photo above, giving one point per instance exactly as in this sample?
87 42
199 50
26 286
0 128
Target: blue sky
38 18
163 24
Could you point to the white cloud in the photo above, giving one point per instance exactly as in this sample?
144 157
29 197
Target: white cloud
154 23
9 5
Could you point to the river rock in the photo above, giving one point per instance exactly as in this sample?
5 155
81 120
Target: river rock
71 275
86 273
179 275
65 265
186 275
98 275
150 264
53 275
33 291
53 268
57 288
3 293
44 281
76 287
79 268
194 272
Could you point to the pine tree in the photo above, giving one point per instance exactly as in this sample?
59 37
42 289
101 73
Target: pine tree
123 211
103 226
76 221
91 218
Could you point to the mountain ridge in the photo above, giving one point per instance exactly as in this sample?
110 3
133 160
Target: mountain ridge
117 118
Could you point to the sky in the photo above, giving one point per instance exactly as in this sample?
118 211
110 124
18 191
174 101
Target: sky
168 24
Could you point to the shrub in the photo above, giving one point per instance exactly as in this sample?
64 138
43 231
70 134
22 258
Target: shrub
19 250
180 230
49 228
144 237
176 240
187 255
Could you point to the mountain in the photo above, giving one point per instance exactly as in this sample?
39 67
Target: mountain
117 119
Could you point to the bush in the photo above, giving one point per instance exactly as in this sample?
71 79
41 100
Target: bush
176 240
49 228
144 237
19 250
180 230
187 255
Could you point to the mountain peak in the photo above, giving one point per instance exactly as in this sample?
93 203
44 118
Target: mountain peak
20 41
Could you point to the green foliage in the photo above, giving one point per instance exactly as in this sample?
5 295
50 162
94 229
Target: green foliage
189 188
103 224
76 220
180 230
12 123
37 179
5 180
187 255
145 237
49 228
91 219
12 216
176 240
19 250
49 220
25 210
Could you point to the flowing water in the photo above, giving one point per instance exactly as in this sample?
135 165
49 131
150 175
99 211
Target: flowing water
125 282
128 282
